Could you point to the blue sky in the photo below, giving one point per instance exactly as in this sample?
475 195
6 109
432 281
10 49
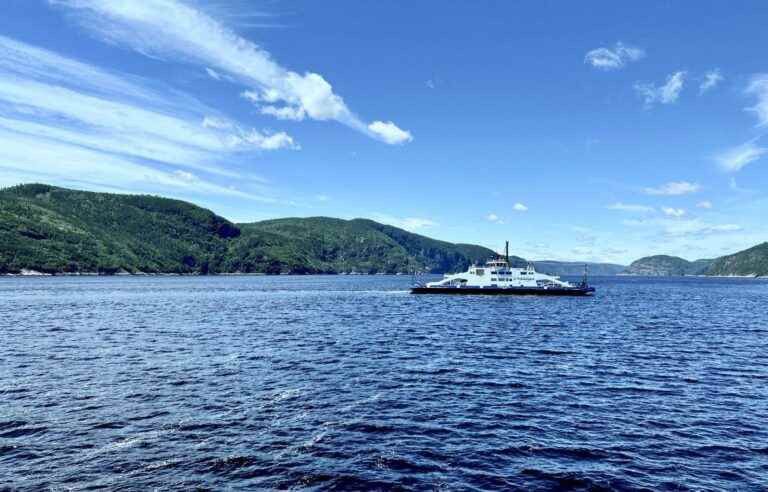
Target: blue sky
602 131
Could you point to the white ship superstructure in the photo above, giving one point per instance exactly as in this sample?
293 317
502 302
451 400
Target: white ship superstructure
497 276
497 273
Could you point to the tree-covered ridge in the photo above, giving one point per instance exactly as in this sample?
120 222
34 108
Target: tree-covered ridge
56 230
323 244
753 261
664 265
52 229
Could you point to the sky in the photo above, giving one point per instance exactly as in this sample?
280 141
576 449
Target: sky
597 131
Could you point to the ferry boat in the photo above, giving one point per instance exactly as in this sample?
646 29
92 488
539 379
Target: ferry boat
497 277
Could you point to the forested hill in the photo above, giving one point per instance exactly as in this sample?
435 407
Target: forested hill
56 230
663 265
751 262
323 244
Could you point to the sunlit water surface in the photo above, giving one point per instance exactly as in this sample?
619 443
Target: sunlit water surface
352 383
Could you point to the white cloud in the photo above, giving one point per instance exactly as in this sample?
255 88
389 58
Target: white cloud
704 204
736 158
216 123
279 140
631 208
711 80
184 175
673 212
678 227
322 198
407 223
294 113
613 58
758 87
172 29
519 207
251 96
698 228
268 141
390 133
665 94
212 73
674 188
494 218
94 116
31 158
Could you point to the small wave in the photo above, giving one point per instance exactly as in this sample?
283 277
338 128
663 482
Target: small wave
23 432
109 425
12 424
553 352
577 480
641 389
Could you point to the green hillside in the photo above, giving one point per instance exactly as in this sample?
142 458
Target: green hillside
663 265
51 229
55 230
323 244
753 261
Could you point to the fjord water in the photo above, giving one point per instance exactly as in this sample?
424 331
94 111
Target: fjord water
352 383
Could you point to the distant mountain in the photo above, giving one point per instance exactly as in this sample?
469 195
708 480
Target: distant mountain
572 268
663 265
55 230
752 262
700 267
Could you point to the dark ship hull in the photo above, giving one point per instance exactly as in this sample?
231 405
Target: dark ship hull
507 291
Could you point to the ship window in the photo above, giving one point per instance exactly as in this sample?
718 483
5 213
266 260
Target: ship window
480 271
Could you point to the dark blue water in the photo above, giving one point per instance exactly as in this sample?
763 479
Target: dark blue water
337 383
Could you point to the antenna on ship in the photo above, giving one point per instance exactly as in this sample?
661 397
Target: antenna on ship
506 252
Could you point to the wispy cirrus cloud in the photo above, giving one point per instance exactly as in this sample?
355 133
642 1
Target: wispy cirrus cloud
678 227
667 93
758 87
673 212
734 159
75 119
711 80
613 58
408 223
673 188
172 29
623 207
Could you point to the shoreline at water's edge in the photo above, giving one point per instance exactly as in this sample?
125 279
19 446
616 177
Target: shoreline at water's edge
35 273
38 274
692 276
